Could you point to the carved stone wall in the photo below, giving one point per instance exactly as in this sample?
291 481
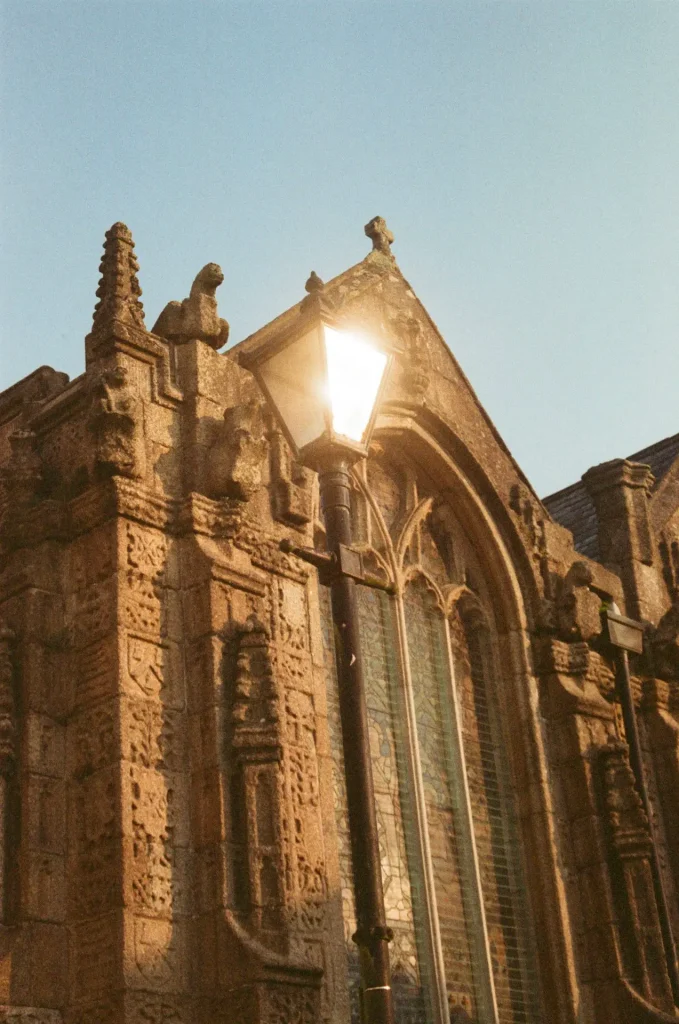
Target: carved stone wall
169 847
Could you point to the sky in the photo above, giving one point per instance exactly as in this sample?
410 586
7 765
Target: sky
525 156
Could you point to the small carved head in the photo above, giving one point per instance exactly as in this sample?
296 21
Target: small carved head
210 278
107 385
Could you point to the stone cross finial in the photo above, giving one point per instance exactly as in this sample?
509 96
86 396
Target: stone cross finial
118 290
381 236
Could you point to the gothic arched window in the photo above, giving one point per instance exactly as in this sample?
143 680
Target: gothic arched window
452 868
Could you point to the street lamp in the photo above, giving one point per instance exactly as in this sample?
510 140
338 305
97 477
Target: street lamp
625 635
324 382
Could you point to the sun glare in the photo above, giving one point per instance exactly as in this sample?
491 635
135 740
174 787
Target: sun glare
355 371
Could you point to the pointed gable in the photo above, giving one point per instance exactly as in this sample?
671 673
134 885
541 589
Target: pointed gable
428 377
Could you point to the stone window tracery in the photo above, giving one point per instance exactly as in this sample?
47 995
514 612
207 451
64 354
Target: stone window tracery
451 860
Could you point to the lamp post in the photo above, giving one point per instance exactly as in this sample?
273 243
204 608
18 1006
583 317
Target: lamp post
628 635
324 385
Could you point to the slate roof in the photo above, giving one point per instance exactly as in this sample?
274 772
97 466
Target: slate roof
574 509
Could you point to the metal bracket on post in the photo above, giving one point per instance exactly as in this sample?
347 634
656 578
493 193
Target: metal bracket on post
345 561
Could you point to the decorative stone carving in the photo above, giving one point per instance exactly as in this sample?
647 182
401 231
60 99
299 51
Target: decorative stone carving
118 291
254 712
236 459
291 483
8 757
317 298
196 318
531 522
380 235
578 607
23 474
95 879
116 423
632 888
256 784
669 555
274 1004
417 365
28 1015
664 644
7 705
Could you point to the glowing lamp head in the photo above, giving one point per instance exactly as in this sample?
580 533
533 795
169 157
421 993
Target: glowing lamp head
323 383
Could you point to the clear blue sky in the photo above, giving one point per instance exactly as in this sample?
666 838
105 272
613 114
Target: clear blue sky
525 155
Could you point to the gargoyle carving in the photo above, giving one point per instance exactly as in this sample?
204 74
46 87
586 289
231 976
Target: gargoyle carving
116 422
196 317
236 458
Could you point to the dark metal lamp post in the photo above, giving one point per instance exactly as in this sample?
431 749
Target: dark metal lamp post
324 384
628 635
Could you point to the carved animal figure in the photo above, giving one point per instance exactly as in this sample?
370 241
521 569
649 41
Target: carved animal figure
196 317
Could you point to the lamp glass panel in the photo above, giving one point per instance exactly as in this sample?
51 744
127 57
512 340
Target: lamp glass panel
295 380
631 638
355 371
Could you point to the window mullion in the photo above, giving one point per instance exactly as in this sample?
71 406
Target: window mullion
481 940
440 995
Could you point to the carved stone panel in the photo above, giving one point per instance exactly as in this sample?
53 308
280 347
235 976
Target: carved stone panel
155 953
28 1015
116 423
94 828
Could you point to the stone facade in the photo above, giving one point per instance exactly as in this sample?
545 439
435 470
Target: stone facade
169 765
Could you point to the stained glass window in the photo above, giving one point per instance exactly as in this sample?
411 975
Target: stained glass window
454 888
396 826
494 822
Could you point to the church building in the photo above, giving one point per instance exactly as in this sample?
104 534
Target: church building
174 836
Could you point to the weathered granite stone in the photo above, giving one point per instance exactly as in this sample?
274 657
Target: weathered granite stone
196 317
174 844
